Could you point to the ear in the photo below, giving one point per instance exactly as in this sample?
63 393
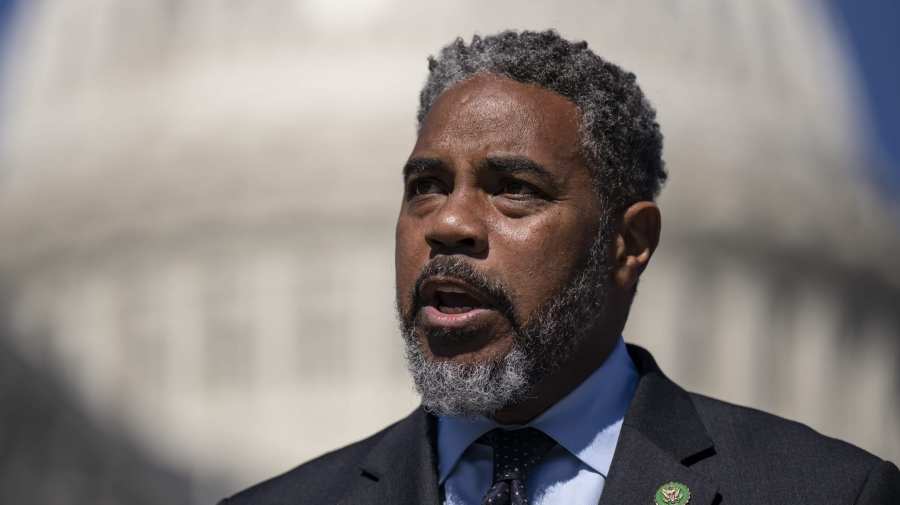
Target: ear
637 238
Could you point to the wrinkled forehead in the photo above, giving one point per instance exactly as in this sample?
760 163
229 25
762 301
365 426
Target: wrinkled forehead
496 113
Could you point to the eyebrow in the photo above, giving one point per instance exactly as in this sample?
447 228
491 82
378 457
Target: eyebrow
419 165
508 165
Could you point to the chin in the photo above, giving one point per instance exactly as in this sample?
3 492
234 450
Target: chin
471 383
465 348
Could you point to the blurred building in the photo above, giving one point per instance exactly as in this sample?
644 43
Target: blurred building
197 202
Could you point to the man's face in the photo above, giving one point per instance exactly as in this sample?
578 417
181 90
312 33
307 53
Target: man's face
498 219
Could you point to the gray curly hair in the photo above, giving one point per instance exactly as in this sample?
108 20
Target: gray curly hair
620 137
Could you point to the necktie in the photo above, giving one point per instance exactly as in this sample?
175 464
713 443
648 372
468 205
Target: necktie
516 453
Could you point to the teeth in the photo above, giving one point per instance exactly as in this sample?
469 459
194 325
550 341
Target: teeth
454 310
454 300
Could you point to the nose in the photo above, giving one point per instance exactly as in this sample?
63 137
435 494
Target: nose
457 227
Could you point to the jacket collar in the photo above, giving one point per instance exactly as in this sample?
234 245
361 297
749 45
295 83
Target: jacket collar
661 438
401 467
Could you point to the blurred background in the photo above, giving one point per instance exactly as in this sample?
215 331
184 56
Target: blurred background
197 200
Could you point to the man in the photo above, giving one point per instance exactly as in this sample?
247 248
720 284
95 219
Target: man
526 221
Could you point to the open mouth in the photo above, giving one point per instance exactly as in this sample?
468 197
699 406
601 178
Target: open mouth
449 302
451 296
456 317
455 302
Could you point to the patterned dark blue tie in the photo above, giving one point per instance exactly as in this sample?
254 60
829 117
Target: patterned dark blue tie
516 453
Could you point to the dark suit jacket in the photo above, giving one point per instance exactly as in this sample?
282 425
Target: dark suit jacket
724 453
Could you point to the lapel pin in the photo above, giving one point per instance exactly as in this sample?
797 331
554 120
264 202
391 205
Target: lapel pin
673 493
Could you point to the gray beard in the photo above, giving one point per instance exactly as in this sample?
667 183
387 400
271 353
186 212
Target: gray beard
543 345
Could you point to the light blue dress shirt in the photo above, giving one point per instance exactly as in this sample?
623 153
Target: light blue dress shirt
585 424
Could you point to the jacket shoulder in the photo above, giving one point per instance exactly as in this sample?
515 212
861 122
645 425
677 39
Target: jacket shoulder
773 454
745 430
320 480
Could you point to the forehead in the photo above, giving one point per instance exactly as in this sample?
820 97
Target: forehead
490 113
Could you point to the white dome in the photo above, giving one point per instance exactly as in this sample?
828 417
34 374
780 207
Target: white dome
205 115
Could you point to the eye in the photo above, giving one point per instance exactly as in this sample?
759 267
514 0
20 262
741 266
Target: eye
518 189
423 186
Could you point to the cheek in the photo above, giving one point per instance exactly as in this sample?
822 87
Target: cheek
541 254
408 259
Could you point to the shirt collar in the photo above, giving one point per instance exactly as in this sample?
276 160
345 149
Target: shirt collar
586 422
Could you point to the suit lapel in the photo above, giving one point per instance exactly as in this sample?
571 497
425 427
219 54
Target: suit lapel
661 437
401 468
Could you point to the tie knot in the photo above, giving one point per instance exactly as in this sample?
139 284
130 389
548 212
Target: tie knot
516 452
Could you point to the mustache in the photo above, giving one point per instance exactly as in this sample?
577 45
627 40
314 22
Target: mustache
461 270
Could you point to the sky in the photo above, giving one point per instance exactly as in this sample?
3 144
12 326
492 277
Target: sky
873 40
6 8
5 17
5 11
